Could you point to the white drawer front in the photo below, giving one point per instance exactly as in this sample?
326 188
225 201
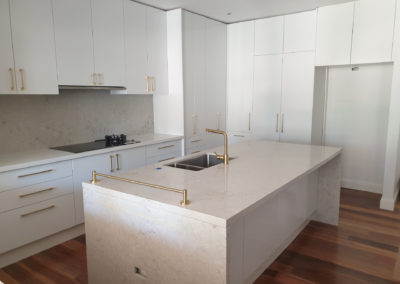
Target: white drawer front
16 198
162 158
24 225
33 175
163 148
195 149
195 141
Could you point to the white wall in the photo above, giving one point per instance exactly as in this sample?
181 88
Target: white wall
357 120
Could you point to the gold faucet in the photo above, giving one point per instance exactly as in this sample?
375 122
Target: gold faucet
225 156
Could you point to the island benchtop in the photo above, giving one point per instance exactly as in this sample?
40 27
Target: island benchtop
221 193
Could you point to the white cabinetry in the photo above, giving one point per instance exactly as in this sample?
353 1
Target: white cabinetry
334 34
268 36
35 69
240 76
7 74
299 34
373 31
74 42
108 39
146 49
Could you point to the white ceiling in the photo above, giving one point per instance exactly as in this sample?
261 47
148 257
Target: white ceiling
241 9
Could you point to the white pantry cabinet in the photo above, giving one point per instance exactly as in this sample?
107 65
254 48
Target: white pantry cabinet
7 74
33 46
334 34
240 76
108 41
268 36
373 31
74 42
299 32
146 49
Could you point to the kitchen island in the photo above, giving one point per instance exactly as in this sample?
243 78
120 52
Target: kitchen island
240 217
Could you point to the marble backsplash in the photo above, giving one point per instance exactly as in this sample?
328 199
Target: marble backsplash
74 116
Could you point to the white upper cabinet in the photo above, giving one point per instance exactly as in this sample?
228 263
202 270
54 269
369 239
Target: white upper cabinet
240 76
267 96
300 32
373 31
7 70
108 39
156 26
297 97
334 34
268 36
34 47
74 42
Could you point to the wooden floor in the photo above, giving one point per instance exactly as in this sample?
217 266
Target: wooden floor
363 249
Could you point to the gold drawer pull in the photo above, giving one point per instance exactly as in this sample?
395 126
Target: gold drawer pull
118 168
283 123
38 173
147 84
21 72
111 164
195 152
36 192
166 160
153 83
165 147
241 136
12 79
100 77
195 141
37 211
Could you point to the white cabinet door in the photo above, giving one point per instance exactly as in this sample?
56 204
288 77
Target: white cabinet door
373 31
269 36
108 39
157 50
240 76
300 30
130 159
267 96
194 66
34 47
334 34
7 74
215 75
136 48
74 42
297 97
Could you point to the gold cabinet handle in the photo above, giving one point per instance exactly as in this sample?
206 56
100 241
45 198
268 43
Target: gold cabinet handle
195 141
147 84
153 83
166 160
277 122
283 123
241 136
21 72
94 79
249 121
111 164
100 78
118 168
195 152
12 79
36 192
165 147
194 121
37 211
37 173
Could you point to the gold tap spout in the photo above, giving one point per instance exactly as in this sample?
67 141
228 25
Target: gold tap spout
225 156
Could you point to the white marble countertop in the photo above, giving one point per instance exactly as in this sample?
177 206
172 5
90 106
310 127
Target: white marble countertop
220 193
19 160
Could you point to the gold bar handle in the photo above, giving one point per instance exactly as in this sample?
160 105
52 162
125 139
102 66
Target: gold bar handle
12 79
147 84
196 141
163 160
153 83
94 79
111 164
37 173
37 211
277 122
249 121
184 201
283 123
36 192
195 152
165 147
118 168
21 72
100 77
241 136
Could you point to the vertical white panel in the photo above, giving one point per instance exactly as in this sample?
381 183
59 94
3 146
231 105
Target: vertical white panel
300 30
268 36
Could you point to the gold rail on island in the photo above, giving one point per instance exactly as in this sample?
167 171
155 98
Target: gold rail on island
184 202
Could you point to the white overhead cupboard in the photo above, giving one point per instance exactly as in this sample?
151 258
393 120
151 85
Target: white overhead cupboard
28 58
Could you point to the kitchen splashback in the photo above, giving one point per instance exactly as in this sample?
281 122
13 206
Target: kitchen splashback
74 116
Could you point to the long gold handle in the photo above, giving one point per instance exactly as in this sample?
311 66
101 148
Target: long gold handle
153 83
118 168
249 121
111 164
36 192
196 141
277 122
165 147
21 72
100 77
241 136
12 79
147 84
94 79
283 123
37 211
37 173
166 160
195 152
184 201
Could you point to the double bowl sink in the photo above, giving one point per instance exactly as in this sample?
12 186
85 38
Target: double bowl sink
197 163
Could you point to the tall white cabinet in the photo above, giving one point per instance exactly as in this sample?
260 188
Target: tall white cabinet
7 74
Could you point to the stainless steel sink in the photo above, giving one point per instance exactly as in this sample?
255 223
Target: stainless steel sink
197 163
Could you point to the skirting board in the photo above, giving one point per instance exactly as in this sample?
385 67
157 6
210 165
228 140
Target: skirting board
363 186
40 245
389 204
